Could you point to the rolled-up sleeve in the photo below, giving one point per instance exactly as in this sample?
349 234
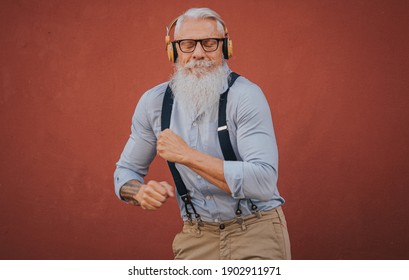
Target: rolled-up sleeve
139 151
255 175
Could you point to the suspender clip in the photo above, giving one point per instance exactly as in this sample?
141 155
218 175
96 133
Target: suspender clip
188 201
254 210
239 219
224 127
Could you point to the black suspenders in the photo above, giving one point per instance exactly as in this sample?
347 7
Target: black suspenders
222 131
223 135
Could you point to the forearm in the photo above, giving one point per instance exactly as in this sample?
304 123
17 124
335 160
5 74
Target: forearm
129 191
208 167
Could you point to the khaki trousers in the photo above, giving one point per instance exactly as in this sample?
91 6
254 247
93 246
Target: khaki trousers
257 238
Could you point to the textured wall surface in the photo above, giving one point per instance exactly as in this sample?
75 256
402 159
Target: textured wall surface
335 73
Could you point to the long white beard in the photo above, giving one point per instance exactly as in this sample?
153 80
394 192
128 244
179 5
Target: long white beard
197 87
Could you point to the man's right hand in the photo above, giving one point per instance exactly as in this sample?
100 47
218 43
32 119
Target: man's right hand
150 196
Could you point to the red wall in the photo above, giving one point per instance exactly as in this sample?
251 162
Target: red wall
335 74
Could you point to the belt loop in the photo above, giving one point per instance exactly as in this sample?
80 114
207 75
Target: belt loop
197 227
278 213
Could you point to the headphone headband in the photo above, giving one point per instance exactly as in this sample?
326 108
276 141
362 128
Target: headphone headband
169 27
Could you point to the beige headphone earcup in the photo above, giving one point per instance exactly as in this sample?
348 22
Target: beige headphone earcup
230 48
227 48
169 49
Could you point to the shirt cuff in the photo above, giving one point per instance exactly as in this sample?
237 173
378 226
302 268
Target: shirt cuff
233 173
123 176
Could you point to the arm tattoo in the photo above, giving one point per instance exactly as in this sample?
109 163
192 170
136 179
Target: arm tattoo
129 191
134 184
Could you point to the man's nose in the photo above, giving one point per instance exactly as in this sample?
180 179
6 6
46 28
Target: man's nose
199 52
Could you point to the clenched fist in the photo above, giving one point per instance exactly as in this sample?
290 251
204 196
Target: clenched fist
149 196
172 147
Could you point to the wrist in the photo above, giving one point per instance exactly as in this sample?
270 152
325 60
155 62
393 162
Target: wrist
188 156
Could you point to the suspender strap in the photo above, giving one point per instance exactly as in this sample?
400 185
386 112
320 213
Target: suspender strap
180 185
165 123
222 130
166 109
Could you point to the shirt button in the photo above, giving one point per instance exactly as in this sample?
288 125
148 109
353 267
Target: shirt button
198 177
216 220
194 123
222 226
208 197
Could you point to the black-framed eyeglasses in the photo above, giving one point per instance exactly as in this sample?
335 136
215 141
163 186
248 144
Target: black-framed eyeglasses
189 45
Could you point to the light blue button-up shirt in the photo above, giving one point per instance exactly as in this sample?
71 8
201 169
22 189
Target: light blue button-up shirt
253 175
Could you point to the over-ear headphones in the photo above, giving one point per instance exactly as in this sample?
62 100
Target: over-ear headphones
171 46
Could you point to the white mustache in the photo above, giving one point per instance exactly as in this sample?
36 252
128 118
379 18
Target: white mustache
199 64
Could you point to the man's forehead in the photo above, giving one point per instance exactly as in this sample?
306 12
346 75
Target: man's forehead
198 28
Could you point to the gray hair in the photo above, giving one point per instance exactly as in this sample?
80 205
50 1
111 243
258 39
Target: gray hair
201 13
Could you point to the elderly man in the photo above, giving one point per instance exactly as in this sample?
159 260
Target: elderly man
222 152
